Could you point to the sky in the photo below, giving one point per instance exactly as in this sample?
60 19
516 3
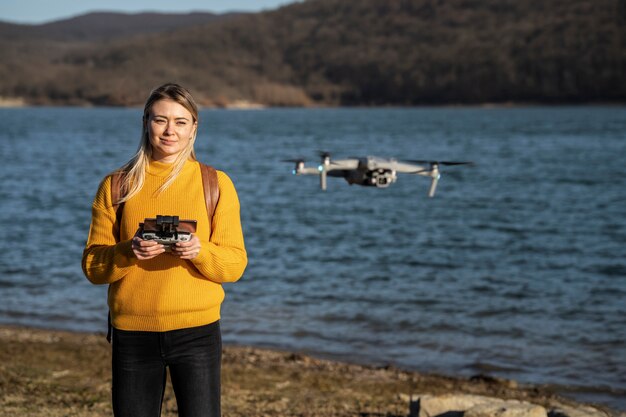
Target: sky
43 11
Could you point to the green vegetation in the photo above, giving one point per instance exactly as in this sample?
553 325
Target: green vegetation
336 52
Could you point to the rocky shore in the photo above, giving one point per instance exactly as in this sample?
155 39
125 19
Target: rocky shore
55 373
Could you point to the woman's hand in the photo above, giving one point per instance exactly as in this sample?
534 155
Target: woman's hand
187 250
146 249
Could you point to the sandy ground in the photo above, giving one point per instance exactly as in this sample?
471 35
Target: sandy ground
55 373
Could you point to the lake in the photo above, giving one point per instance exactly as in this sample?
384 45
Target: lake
515 269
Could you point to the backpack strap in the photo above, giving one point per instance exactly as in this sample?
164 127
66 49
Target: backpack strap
211 188
116 191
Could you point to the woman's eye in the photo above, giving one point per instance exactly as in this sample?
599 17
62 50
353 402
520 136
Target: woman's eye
159 121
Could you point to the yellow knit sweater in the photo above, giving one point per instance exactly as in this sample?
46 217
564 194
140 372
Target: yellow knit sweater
166 293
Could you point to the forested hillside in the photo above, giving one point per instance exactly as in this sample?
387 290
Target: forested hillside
336 52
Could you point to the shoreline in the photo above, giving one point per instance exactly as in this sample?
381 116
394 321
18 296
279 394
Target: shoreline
58 373
246 105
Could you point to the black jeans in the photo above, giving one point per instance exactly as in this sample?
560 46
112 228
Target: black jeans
194 357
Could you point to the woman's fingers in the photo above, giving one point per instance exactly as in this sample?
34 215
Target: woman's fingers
187 250
146 249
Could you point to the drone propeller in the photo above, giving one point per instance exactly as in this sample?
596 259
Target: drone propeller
421 161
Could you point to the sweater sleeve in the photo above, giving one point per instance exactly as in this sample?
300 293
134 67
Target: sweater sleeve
223 258
104 259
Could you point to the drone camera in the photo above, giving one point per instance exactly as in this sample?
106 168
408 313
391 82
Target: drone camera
382 178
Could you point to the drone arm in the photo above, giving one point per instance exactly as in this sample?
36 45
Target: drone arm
434 175
324 168
306 171
433 186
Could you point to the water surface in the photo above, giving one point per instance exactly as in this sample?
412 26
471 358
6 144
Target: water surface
515 269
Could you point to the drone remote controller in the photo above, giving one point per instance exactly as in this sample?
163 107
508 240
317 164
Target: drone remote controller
167 230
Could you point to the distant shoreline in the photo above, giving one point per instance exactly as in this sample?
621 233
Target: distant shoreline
53 372
20 102
12 102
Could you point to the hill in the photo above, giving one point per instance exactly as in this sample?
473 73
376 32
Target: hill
338 52
100 26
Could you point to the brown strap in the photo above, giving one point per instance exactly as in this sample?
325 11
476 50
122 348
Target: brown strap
211 188
116 187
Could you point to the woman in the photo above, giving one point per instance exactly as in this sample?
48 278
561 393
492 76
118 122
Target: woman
165 305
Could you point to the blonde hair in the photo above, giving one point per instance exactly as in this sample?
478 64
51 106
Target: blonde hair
133 173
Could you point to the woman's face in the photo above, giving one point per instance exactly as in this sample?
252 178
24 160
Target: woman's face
170 128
